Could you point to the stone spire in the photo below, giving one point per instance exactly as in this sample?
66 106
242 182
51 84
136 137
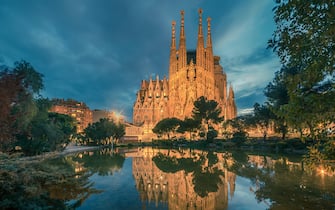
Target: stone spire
173 58
182 44
200 44
209 48
209 39
232 110
165 87
231 94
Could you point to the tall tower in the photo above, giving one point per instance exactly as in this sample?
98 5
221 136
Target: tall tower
182 57
200 44
173 58
192 74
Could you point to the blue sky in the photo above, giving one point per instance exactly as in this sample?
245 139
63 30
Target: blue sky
99 51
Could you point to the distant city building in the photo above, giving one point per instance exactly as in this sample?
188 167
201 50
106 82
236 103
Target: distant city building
192 74
100 114
78 110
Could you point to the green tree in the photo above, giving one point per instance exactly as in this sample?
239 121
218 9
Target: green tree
19 87
239 126
48 184
207 111
103 162
47 131
118 131
167 126
263 117
305 43
206 175
277 96
32 83
9 89
189 125
101 132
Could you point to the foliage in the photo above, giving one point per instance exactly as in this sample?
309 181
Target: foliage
207 111
26 121
277 96
47 131
189 125
211 134
103 132
104 162
30 79
205 179
262 118
239 137
305 43
272 179
239 124
42 185
166 163
167 126
18 86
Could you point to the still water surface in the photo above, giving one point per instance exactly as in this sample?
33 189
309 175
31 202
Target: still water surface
146 178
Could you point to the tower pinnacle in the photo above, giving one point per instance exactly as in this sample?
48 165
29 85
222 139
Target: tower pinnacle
173 40
209 39
209 48
200 22
173 58
182 43
200 45
182 33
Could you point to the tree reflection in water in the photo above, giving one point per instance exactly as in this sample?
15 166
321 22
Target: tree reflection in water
206 175
197 178
284 184
184 179
78 188
173 179
50 184
72 187
103 162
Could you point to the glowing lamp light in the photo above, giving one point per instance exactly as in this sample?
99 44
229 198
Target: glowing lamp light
322 171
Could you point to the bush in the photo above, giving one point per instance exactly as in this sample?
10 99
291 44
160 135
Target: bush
239 137
211 135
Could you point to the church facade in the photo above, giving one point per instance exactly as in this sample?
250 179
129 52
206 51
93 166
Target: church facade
192 74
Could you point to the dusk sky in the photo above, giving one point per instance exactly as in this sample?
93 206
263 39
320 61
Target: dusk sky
98 51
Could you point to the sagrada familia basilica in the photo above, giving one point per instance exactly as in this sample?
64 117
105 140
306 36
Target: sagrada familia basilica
192 73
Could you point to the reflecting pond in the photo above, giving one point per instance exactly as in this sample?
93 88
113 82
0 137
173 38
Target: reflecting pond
147 178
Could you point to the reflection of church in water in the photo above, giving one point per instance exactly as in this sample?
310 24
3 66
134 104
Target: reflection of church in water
177 189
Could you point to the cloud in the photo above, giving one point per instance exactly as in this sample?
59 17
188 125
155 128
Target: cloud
245 111
99 51
246 28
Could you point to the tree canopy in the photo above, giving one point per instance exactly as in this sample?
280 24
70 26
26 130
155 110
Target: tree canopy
103 132
25 118
167 126
189 125
208 112
303 91
18 87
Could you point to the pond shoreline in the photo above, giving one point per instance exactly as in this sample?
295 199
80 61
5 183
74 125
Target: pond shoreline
36 158
286 147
